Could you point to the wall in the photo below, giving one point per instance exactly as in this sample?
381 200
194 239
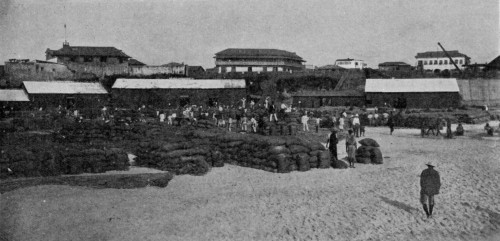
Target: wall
16 73
150 70
99 69
80 101
162 97
416 100
480 91
317 101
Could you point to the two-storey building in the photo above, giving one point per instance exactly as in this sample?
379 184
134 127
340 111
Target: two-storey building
437 60
257 60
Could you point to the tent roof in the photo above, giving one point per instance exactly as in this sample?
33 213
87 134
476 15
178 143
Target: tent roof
411 85
179 83
63 87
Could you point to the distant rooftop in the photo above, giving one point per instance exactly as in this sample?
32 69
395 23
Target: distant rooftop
257 53
68 50
394 64
173 64
348 59
440 54
135 62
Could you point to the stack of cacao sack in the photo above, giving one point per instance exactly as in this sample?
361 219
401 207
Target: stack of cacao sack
49 159
369 152
199 150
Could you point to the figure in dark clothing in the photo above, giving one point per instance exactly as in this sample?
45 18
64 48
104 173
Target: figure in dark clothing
331 144
390 123
430 183
460 130
449 134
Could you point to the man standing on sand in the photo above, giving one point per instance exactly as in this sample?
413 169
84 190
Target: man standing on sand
350 147
430 183
332 142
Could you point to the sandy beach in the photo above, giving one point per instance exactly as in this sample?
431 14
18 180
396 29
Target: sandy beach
369 202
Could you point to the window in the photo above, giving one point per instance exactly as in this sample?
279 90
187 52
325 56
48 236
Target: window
440 62
41 69
461 61
425 62
53 70
445 61
104 59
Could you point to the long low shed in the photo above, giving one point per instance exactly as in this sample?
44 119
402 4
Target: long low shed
314 99
69 94
164 93
417 93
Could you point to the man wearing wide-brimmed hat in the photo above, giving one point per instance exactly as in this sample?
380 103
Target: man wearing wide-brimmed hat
430 183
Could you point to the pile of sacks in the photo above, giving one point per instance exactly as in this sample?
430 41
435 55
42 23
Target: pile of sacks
199 150
49 159
369 152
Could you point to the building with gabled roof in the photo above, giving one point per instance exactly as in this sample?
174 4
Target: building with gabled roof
100 61
350 63
87 54
70 94
394 66
437 60
178 92
417 93
257 60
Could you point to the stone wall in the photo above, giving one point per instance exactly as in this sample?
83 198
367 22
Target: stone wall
17 72
480 91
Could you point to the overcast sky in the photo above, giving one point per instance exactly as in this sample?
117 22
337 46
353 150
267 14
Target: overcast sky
192 31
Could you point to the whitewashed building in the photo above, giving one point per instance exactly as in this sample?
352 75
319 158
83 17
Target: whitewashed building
437 60
350 63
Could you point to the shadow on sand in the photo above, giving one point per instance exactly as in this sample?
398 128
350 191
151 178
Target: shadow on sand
399 205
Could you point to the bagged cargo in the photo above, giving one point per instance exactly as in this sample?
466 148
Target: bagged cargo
369 142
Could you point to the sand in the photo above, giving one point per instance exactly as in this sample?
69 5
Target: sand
369 202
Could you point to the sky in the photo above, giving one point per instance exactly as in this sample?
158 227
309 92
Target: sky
192 31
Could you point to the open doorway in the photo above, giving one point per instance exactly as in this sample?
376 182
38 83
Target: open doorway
184 100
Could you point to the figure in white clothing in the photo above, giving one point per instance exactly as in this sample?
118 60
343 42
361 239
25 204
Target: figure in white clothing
304 119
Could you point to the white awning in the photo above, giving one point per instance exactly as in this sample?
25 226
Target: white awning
63 87
411 85
179 84
13 95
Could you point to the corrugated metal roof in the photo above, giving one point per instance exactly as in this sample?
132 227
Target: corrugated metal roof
179 84
13 95
411 85
63 87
